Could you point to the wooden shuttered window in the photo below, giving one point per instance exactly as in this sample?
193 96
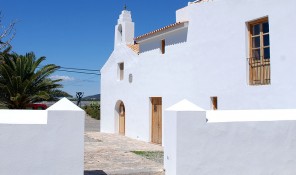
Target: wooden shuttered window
214 101
163 46
259 53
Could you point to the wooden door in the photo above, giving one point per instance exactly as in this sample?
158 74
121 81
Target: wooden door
121 119
156 105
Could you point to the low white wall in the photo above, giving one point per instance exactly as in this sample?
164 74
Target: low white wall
259 142
49 142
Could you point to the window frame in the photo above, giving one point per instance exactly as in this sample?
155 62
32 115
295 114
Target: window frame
120 71
251 24
259 66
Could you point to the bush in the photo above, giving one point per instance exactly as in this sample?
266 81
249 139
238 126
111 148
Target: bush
2 106
93 110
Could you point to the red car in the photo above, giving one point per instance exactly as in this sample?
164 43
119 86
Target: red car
37 106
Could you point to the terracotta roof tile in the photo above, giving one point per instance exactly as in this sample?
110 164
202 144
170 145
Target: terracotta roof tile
199 1
134 47
159 30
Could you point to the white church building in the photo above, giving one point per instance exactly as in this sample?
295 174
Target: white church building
220 55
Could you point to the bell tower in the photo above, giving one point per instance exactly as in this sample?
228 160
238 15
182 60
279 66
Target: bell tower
125 29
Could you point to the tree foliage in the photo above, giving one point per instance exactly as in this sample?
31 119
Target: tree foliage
57 93
7 33
24 81
93 110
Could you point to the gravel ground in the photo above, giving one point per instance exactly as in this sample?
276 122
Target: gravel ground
111 154
92 125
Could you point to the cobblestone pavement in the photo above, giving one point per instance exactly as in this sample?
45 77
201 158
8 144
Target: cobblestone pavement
110 154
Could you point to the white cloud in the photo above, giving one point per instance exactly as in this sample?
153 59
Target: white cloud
63 77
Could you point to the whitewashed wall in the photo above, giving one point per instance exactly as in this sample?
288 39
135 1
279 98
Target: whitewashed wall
179 35
212 62
49 142
256 142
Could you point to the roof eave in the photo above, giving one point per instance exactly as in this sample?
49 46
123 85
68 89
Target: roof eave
164 30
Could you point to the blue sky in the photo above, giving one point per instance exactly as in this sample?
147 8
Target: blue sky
80 33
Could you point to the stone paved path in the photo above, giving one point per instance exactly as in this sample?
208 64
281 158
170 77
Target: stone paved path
92 124
111 154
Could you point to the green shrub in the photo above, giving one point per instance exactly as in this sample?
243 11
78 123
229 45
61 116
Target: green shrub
93 110
2 106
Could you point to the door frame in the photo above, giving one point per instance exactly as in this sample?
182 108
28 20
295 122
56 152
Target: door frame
121 107
117 117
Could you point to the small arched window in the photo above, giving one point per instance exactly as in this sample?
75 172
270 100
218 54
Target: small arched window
120 33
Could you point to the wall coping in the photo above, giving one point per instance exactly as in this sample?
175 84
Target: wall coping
65 105
23 117
35 116
251 115
185 105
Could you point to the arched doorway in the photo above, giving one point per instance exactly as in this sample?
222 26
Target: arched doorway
120 110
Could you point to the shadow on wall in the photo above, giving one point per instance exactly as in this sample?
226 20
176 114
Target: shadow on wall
94 172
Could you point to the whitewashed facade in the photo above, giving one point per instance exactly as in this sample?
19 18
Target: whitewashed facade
206 55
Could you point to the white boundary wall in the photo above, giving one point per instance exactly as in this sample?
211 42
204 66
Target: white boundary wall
49 142
256 142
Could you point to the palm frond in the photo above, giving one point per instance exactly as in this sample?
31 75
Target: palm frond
24 81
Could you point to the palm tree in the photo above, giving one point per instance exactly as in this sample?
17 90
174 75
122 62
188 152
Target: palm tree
24 81
5 52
